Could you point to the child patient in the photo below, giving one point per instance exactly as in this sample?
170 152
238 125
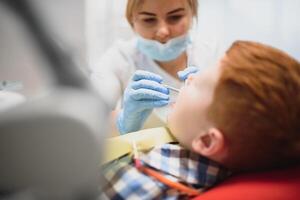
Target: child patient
241 115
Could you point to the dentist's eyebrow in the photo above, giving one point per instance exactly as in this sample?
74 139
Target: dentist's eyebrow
176 10
169 13
146 13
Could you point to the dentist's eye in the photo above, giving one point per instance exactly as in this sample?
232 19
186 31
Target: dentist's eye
174 19
149 20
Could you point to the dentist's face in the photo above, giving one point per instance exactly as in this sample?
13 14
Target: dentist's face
162 20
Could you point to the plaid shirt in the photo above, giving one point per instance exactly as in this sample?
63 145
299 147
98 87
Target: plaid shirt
122 180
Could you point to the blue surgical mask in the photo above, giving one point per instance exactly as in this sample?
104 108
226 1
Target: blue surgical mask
164 52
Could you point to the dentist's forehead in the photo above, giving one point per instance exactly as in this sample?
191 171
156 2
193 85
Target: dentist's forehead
154 4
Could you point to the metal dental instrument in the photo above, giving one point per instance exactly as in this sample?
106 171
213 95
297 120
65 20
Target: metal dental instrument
171 88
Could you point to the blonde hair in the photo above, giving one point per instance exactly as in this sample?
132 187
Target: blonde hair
256 104
133 5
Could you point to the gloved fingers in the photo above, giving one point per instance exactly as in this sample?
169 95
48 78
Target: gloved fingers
185 73
149 104
149 84
141 74
147 94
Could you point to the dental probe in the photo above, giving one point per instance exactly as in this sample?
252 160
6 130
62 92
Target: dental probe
171 88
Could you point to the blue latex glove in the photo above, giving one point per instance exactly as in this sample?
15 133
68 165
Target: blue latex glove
144 93
183 75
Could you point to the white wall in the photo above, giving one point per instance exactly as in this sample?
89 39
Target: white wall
105 22
273 22
270 21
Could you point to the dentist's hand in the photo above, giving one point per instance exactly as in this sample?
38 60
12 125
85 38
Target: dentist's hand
144 93
183 75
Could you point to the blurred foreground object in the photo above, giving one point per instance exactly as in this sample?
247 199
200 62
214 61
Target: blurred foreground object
9 99
50 147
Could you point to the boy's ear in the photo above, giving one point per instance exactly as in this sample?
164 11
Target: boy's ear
210 143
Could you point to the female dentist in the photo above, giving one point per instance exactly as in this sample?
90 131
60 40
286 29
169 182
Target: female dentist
164 46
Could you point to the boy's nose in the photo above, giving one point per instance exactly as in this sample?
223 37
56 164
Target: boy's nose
163 32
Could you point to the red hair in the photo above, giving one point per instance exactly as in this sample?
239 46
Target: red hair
257 106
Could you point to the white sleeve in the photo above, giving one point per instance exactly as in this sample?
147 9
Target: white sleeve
111 73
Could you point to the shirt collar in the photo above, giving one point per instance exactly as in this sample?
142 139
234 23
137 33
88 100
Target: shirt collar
185 165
